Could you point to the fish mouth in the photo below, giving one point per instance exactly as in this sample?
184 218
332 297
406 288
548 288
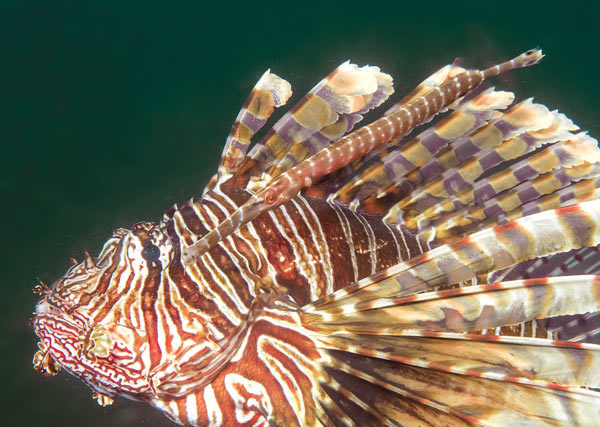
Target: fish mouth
43 307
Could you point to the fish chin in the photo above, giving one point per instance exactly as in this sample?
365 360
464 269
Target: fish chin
94 355
106 357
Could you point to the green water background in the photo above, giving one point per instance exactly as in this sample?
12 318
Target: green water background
113 111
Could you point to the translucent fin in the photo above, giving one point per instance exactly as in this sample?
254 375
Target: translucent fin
429 396
471 308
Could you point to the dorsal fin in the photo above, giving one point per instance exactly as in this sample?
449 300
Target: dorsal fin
353 146
552 190
439 196
435 80
269 92
326 113
395 162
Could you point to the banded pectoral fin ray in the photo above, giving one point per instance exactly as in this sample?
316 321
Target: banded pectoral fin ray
491 249
533 361
403 346
469 308
471 398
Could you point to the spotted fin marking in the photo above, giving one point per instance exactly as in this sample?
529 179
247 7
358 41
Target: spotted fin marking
577 261
326 113
582 327
350 148
270 91
577 328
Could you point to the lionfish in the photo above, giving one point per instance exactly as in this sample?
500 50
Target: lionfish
370 277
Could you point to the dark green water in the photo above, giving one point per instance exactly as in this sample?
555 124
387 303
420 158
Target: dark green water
113 112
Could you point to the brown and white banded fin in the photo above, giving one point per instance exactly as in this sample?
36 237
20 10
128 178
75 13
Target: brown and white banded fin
396 161
270 91
484 148
438 387
577 158
341 177
544 193
488 250
433 81
459 183
343 152
465 309
329 111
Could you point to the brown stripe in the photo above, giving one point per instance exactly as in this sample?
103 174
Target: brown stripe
187 287
148 300
312 254
280 255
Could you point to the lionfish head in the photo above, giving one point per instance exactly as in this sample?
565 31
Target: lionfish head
90 321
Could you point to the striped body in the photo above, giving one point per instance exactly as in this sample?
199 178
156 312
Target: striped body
331 277
306 248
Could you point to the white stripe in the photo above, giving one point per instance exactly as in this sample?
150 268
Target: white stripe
324 250
288 383
225 283
348 233
232 316
297 241
213 411
371 237
191 408
395 240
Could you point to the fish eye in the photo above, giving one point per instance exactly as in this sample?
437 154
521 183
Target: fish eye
151 252
270 197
